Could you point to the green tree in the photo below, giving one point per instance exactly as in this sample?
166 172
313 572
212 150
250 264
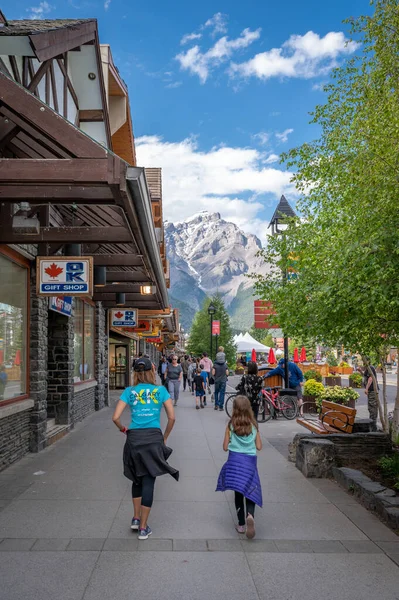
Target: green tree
346 243
200 334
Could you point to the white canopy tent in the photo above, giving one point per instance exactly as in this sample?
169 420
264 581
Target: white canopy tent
246 343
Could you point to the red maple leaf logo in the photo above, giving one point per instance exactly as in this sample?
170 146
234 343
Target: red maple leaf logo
119 315
53 270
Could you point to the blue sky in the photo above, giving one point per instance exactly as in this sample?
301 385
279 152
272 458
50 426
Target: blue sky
218 90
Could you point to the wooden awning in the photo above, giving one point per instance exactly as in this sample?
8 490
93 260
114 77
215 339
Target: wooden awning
81 193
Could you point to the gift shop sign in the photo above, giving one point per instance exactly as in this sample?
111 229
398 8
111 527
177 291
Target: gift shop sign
124 317
64 276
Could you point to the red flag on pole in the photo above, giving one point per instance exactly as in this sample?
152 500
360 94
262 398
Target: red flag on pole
253 355
302 358
296 355
17 359
271 357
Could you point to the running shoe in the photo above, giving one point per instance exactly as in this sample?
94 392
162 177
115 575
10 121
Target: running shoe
221 408
250 527
144 534
202 406
135 524
216 407
197 407
240 528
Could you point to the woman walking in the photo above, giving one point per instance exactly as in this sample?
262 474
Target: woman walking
174 374
250 386
240 472
145 453
191 374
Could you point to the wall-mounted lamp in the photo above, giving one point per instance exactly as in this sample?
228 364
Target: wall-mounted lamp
120 299
148 290
100 276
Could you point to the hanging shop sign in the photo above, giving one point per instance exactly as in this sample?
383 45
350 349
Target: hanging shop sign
144 326
262 312
61 304
153 333
215 327
123 317
66 275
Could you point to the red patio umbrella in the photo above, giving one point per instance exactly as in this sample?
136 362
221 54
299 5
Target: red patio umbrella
253 355
296 355
302 357
17 359
1 356
271 357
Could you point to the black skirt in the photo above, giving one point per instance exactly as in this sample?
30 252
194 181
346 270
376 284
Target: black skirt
145 453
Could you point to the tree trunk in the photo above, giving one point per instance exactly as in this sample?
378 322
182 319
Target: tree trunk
395 424
384 396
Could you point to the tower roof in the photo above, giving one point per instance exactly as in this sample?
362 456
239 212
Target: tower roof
283 209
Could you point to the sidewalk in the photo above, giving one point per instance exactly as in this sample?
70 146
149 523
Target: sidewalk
66 532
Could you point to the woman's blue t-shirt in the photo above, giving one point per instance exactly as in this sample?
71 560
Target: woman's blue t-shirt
145 401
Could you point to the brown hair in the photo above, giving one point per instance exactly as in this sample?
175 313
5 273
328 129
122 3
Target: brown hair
242 419
252 368
144 377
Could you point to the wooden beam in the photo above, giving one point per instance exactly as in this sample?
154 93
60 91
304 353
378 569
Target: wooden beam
67 82
32 75
118 260
21 103
65 235
115 289
15 70
42 70
56 194
130 297
140 305
91 115
54 170
3 68
59 40
126 276
53 87
25 63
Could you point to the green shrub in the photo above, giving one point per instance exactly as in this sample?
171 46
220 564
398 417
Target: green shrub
389 465
312 375
331 360
344 364
313 388
356 379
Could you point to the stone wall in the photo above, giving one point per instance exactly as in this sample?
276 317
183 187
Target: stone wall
60 368
14 438
38 367
84 404
101 358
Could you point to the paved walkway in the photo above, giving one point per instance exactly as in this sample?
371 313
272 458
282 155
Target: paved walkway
65 526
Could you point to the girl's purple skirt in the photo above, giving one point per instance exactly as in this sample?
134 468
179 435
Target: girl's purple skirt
240 474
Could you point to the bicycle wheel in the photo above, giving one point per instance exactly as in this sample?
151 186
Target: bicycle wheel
289 407
265 411
228 404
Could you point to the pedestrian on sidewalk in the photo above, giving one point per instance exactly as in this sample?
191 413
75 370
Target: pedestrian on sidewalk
220 372
199 387
240 472
192 370
205 377
206 361
372 401
295 376
145 453
250 386
162 369
184 365
174 374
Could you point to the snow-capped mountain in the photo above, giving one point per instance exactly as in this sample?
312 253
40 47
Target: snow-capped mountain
208 255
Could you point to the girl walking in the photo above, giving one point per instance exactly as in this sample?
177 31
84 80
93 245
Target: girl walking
250 386
145 453
240 472
174 374
199 386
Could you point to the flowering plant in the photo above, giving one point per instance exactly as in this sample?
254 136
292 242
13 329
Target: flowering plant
338 394
313 388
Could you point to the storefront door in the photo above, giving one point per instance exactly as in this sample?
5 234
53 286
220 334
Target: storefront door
119 366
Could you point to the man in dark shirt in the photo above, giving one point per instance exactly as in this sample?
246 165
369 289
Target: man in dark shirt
220 372
372 401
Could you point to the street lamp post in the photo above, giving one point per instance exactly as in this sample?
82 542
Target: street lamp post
211 312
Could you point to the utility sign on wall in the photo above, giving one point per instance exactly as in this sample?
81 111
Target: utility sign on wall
69 276
123 317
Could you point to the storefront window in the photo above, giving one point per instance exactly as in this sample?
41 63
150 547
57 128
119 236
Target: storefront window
84 325
13 328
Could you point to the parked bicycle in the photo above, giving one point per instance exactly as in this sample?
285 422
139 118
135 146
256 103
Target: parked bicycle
270 405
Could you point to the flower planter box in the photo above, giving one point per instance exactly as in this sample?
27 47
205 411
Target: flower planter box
352 385
346 370
330 381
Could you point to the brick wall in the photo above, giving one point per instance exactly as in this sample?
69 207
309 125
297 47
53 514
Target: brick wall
84 404
14 438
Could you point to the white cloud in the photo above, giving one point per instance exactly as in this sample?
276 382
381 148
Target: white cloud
106 4
300 56
262 137
218 180
189 37
283 136
38 12
318 87
272 158
218 23
201 63
173 85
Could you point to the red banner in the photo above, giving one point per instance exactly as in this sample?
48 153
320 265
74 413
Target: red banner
215 327
263 310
